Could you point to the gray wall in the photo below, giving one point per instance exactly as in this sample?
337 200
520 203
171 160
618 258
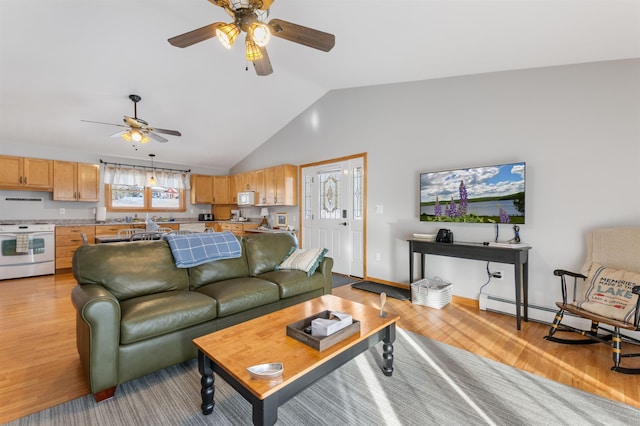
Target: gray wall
577 128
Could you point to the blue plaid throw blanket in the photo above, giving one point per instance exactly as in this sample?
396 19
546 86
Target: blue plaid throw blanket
195 249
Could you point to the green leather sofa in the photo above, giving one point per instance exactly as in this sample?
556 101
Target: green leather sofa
138 313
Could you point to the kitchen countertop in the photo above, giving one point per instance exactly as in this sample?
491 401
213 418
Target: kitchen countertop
86 222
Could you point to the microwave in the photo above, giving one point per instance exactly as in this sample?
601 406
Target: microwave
246 198
205 217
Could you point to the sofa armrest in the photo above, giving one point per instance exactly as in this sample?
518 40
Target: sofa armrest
325 269
97 334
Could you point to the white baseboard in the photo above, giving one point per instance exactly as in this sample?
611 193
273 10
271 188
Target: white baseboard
543 314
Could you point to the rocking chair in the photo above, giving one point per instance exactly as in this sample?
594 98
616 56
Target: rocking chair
609 295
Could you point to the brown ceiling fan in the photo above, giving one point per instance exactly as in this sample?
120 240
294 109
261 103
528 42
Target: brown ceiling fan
248 16
138 129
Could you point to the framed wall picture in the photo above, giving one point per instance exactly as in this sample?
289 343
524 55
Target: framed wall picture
281 220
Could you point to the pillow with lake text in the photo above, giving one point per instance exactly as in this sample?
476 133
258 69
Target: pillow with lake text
306 260
609 293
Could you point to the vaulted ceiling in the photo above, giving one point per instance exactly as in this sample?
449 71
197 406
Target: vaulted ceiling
70 60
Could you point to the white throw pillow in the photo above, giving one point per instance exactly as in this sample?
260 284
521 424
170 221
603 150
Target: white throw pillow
306 260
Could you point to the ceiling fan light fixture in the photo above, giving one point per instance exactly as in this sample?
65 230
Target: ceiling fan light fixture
260 34
136 136
253 52
227 34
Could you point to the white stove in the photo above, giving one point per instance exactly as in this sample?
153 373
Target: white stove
26 250
27 227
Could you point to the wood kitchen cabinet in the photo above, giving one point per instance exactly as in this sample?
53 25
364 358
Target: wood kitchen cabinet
201 189
280 186
274 186
113 229
212 225
242 182
221 193
259 186
248 181
68 239
233 192
238 180
237 228
76 181
23 173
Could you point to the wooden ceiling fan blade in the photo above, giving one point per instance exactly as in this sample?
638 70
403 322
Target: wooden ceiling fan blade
156 137
195 36
302 35
165 131
263 65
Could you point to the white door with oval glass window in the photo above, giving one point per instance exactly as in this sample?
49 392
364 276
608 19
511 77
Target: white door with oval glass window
333 212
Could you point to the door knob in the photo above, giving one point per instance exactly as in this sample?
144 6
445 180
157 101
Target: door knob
344 224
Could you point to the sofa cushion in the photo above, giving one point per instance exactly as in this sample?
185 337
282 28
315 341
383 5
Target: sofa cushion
306 260
129 269
293 282
218 270
608 293
241 294
266 251
157 314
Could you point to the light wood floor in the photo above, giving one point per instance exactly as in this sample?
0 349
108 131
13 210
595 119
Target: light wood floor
39 365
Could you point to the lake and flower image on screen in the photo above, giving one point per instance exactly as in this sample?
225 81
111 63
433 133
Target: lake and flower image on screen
493 194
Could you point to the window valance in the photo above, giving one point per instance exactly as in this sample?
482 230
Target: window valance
133 176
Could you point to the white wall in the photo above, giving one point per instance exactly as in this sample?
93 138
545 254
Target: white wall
577 128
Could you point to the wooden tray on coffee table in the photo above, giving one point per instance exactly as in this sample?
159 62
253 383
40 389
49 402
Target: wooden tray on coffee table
296 330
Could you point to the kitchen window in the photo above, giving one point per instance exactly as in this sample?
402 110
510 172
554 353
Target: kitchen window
129 190
144 198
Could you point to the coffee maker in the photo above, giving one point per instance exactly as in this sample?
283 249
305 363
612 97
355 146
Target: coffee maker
235 215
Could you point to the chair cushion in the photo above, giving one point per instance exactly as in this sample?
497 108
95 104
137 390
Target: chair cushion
161 313
609 293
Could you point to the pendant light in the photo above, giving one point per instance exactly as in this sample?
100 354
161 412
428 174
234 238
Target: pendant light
152 179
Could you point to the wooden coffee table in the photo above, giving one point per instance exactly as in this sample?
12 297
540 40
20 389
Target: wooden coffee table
264 340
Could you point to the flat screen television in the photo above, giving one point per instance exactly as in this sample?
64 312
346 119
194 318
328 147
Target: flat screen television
492 194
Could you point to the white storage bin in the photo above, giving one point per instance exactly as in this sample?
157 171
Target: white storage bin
432 292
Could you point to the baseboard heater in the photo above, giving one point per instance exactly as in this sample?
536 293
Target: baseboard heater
543 314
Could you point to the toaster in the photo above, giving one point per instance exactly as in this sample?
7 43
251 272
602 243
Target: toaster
205 217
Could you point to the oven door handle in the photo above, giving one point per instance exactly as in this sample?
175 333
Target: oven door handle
41 234
13 235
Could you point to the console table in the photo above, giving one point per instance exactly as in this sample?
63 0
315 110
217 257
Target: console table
517 256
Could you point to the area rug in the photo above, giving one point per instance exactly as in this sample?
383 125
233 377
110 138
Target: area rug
338 280
392 291
432 384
